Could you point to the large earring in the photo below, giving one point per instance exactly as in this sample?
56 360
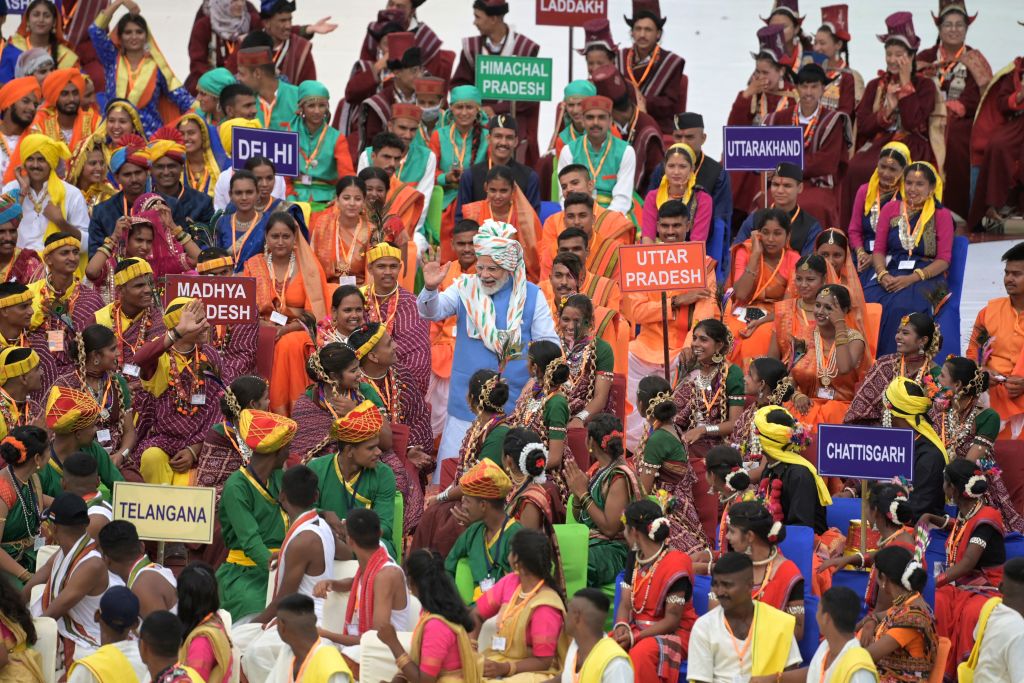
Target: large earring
717 358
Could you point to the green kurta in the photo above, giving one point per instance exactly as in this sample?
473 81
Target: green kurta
662 446
735 386
556 416
484 562
20 529
413 166
317 164
373 488
253 523
606 557
52 475
603 163
286 103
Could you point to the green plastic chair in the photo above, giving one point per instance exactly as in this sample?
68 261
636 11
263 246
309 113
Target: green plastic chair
396 531
556 189
435 209
464 580
573 544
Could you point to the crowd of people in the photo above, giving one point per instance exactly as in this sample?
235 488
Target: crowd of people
497 475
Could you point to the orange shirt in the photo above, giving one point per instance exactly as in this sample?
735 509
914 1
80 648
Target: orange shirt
442 334
614 228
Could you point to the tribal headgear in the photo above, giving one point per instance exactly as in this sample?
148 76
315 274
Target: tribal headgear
215 264
655 401
266 432
784 444
16 361
497 241
485 480
132 150
172 314
20 295
10 206
130 268
167 142
69 410
58 240
360 424
914 409
383 250
374 339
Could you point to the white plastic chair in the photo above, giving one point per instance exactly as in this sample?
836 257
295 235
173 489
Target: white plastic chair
376 663
46 646
44 554
488 630
236 657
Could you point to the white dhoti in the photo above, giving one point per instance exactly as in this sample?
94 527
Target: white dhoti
259 649
635 421
437 399
451 441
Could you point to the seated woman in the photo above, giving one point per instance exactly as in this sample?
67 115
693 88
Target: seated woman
904 642
132 238
768 381
485 542
833 246
661 464
565 280
207 646
120 119
291 296
441 649
440 527
969 430
975 554
506 203
591 360
87 171
835 358
20 661
24 451
223 452
525 458
679 182
731 483
600 499
355 476
761 270
890 515
341 233
917 343
793 324
348 313
174 250
528 646
777 580
912 252
202 166
656 612
885 185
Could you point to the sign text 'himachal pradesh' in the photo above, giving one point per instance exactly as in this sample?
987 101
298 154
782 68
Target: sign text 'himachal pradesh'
228 300
514 78
661 267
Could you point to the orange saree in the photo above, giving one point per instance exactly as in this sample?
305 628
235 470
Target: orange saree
770 288
830 396
523 218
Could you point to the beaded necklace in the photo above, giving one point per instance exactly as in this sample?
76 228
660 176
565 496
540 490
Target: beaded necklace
643 578
179 365
32 529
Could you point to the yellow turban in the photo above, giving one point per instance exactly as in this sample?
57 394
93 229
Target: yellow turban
69 410
132 268
383 250
777 443
266 432
172 314
485 480
913 409
225 128
53 151
11 368
688 152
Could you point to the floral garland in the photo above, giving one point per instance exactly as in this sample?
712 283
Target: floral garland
182 396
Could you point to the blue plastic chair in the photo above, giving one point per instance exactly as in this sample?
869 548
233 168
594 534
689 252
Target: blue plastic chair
701 589
548 209
857 581
718 248
799 547
949 315
808 644
841 511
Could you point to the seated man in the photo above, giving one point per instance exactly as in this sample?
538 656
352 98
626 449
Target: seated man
405 64
167 165
154 585
655 72
571 123
71 417
82 479
61 116
999 642
603 291
20 377
837 618
502 142
308 654
721 641
786 185
15 313
592 655
615 171
118 659
160 639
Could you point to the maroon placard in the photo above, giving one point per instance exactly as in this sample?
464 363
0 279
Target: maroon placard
229 300
570 12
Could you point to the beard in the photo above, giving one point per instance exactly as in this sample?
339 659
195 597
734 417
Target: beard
496 287
18 120
69 110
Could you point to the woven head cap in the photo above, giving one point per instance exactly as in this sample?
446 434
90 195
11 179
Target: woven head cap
69 410
485 480
266 432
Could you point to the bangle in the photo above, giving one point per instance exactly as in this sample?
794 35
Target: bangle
945 521
921 274
511 669
403 660
583 415
712 429
861 556
443 496
25 576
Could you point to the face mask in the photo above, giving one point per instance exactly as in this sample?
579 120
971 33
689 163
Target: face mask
431 114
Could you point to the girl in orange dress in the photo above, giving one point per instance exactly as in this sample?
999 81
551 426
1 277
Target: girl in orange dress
794 316
340 234
506 203
761 271
833 245
290 286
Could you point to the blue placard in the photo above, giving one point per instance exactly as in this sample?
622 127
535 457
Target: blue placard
865 452
761 148
280 146
19 6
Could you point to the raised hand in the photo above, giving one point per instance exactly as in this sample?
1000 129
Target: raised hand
434 274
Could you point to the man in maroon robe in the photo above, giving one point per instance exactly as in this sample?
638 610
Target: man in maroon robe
655 72
497 38
827 135
632 125
426 40
405 65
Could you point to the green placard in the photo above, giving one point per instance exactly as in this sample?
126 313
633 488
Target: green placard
514 78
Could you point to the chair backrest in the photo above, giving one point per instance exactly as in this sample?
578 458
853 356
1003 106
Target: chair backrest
949 315
548 209
808 643
46 646
487 632
940 660
376 663
265 350
701 593
574 549
576 439
464 580
396 531
841 511
799 547
718 249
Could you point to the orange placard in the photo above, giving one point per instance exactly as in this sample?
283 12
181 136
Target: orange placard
661 267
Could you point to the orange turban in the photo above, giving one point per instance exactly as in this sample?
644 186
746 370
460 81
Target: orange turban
485 480
16 89
69 410
360 424
54 83
266 432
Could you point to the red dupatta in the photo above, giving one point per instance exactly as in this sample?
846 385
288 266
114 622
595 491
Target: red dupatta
959 540
362 590
777 588
650 589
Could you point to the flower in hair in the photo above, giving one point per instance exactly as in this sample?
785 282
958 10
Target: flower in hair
912 566
652 528
730 477
969 487
894 507
773 533
615 434
541 460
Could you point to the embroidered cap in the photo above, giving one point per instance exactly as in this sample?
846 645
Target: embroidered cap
360 424
266 432
485 480
69 410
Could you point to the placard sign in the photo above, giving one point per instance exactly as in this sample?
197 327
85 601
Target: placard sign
865 452
228 300
19 6
280 146
570 12
513 78
661 267
761 148
181 514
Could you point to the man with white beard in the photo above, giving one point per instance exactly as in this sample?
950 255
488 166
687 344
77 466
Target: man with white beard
499 314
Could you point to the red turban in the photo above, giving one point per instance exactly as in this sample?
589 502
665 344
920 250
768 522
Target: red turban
57 80
16 89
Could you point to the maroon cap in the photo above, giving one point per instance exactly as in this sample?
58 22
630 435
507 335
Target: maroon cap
772 42
836 19
900 28
947 6
598 33
609 83
403 110
388 21
599 102
646 9
791 8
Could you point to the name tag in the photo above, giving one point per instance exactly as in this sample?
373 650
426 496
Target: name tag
103 435
131 370
199 399
498 644
486 584
55 341
740 312
306 179
278 318
871 245
907 264
827 393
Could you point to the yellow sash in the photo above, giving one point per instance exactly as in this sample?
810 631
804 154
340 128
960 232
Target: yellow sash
856 659
322 663
107 664
515 631
218 640
965 671
599 658
773 637
239 557
467 653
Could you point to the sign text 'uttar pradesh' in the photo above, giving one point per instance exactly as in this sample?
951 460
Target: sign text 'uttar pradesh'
661 267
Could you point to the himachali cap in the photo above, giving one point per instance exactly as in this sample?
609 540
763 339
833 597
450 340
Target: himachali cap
402 50
610 83
69 509
255 56
646 9
266 432
836 18
598 33
360 424
404 110
429 86
215 80
69 410
580 88
463 93
900 28
485 480
791 171
388 21
812 73
947 6
772 43
599 102
791 8
687 120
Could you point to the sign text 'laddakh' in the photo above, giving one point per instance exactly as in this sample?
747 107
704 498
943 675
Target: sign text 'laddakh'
661 267
181 514
570 12
228 300
514 78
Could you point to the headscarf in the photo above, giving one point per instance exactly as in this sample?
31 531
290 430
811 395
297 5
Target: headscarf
69 410
57 80
485 480
777 443
928 210
465 93
308 89
132 150
167 142
31 61
15 89
137 268
129 109
54 152
209 158
81 155
10 206
168 255
663 187
913 409
580 88
265 432
215 80
225 128
226 25
873 185
360 424
496 240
